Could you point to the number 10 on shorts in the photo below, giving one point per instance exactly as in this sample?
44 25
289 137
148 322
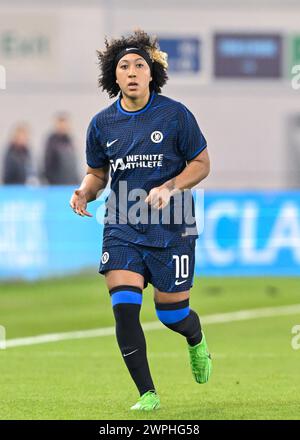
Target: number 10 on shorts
181 265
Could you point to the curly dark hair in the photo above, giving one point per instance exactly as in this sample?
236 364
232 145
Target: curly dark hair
139 39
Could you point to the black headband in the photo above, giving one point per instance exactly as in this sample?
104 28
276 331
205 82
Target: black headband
136 50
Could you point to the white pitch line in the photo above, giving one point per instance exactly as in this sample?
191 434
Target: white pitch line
242 315
219 318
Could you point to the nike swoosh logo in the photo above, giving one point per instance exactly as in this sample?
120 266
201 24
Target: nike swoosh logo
177 283
127 354
108 144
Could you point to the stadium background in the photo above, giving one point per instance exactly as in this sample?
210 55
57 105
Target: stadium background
230 63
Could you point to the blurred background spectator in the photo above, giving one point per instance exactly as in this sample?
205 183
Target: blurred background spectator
60 162
17 161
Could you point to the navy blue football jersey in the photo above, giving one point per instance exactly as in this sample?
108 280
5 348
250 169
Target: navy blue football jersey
144 149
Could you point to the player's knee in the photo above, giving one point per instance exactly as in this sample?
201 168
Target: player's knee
126 302
171 313
125 294
179 317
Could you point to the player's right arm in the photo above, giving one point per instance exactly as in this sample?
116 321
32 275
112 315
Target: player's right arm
95 180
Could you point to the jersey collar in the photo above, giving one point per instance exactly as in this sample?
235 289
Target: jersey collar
142 110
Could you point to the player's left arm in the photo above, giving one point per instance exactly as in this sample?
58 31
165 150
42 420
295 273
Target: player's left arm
196 170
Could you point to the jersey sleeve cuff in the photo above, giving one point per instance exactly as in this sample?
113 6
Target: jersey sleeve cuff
101 165
197 152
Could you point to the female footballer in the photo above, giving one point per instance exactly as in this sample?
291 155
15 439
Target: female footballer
155 151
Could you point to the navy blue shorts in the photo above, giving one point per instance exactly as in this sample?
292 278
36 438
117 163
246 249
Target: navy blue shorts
168 269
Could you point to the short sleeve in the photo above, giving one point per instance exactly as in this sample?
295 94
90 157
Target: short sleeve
191 140
95 155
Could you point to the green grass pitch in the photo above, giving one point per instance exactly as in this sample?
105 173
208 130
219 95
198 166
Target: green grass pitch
256 372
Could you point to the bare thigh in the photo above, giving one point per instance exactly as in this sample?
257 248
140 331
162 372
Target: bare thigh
115 278
167 297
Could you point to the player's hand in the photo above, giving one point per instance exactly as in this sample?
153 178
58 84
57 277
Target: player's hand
78 203
158 197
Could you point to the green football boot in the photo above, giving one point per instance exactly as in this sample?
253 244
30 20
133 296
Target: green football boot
147 402
200 361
